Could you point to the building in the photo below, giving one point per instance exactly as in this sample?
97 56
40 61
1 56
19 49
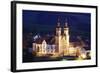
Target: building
58 45
62 38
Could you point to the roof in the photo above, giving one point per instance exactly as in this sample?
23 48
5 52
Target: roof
49 40
38 41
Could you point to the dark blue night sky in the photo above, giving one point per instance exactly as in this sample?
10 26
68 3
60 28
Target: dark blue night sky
45 22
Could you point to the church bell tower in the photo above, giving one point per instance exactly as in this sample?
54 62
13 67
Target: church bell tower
66 36
58 37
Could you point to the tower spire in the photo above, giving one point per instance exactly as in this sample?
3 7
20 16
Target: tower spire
58 22
58 28
66 24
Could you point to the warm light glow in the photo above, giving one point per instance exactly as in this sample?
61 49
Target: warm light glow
83 56
62 46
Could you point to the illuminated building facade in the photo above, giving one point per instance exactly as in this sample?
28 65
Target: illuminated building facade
62 39
60 46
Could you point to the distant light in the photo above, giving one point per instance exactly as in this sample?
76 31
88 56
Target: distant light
83 56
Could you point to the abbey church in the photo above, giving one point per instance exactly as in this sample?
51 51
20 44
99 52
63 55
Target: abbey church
59 45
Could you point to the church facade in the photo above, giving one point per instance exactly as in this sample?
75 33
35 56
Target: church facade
62 38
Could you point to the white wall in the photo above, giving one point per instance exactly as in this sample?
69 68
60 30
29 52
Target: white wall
5 36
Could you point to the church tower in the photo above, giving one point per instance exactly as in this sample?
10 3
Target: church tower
58 37
58 28
66 38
